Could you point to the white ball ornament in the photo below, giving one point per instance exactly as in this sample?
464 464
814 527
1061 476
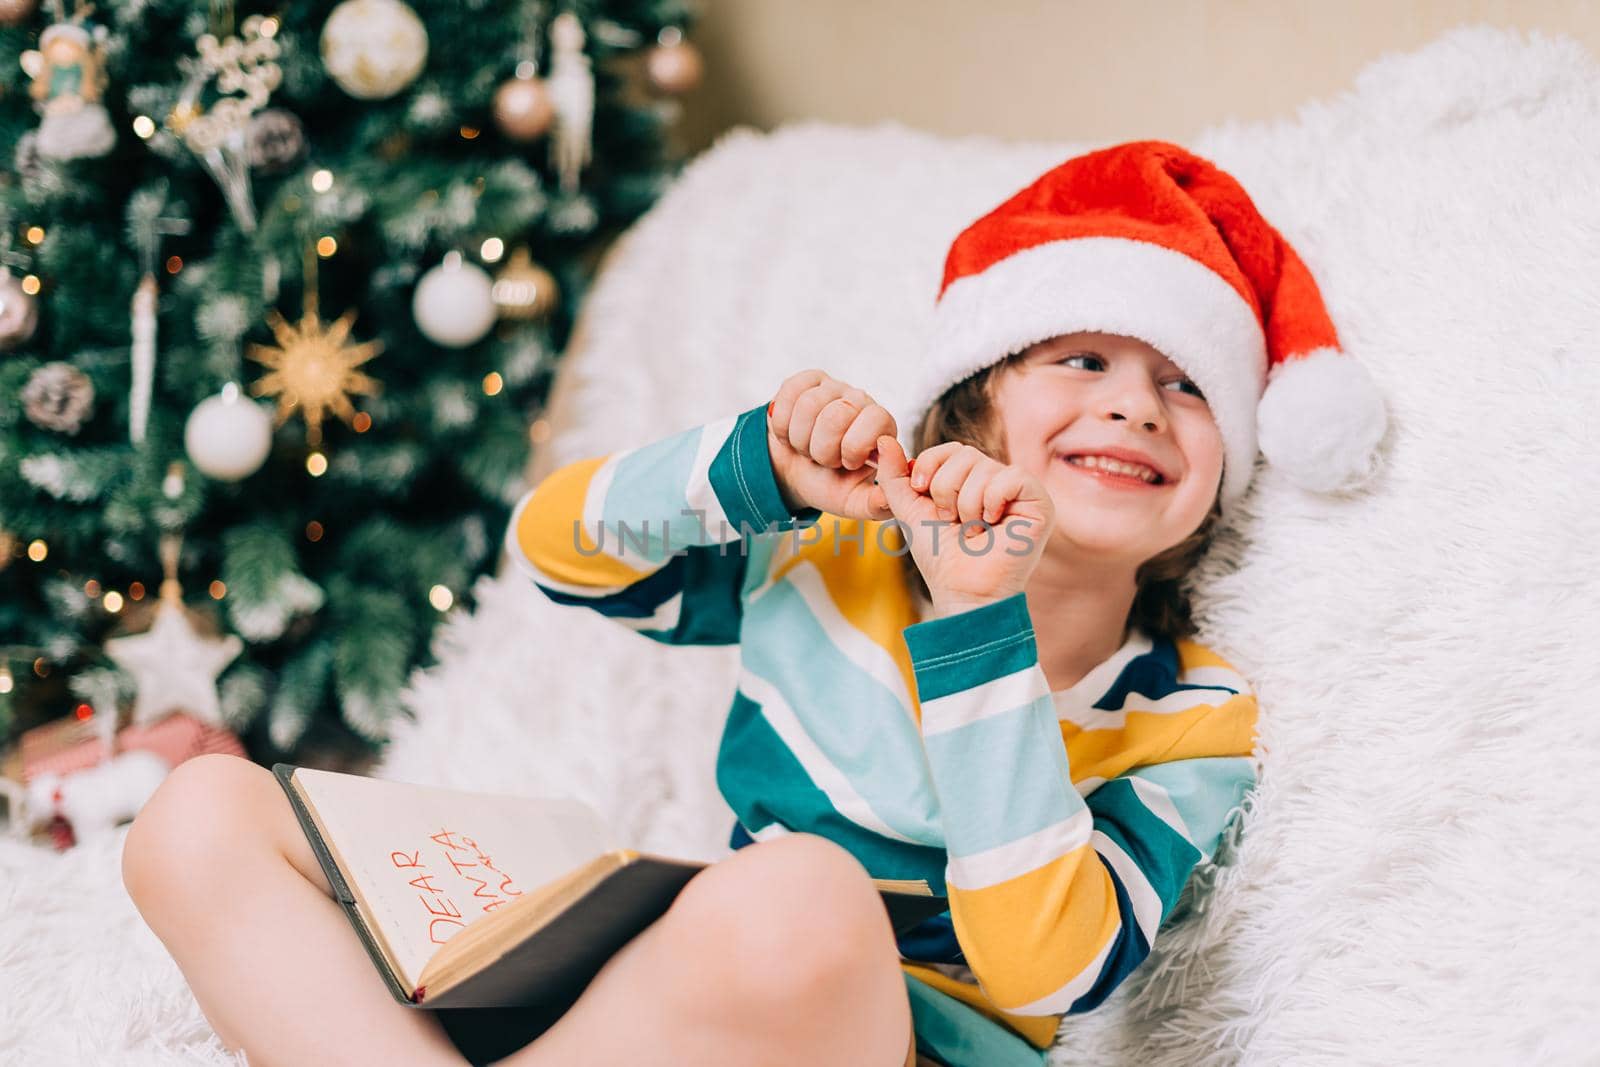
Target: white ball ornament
454 303
373 48
228 435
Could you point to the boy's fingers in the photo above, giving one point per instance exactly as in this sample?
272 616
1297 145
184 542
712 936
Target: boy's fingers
931 459
893 477
859 445
782 404
969 501
828 431
1000 491
891 459
947 482
803 418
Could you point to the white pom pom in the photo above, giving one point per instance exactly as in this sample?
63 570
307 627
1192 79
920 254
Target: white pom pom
1320 420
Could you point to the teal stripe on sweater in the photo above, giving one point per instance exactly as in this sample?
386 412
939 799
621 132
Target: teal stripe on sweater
1002 778
964 650
744 481
760 777
712 608
763 783
1204 790
858 723
1164 855
961 1036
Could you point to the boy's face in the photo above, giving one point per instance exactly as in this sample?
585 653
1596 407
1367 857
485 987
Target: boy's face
1086 392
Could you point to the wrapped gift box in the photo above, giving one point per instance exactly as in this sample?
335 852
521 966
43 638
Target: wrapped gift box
71 744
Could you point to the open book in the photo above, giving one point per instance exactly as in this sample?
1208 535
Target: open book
478 900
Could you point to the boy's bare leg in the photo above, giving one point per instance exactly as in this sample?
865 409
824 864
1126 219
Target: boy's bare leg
219 868
780 955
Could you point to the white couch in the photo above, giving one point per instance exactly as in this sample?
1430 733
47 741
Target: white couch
1415 881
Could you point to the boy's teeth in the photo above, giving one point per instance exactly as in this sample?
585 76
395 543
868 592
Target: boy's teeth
1114 465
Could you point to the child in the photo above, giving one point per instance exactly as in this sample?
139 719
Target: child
1026 726
1028 731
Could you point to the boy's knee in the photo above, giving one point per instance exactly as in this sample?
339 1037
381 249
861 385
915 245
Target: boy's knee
796 919
197 810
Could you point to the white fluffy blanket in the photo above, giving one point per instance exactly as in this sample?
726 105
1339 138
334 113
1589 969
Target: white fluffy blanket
1415 883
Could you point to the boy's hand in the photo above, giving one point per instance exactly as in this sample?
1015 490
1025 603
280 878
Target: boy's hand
956 489
822 436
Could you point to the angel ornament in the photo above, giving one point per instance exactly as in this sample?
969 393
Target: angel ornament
570 85
68 72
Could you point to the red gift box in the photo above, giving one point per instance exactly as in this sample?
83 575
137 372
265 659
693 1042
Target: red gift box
72 744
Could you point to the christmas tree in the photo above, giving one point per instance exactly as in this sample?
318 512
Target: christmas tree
281 287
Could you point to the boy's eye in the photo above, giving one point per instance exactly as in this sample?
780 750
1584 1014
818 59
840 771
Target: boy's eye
1089 355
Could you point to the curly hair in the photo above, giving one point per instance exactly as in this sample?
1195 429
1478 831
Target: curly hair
965 413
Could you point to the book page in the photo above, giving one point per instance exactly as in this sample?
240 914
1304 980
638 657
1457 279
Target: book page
426 862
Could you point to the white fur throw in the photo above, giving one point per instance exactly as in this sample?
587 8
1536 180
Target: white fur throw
1410 883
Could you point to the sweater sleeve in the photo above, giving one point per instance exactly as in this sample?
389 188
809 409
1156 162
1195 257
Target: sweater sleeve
1054 898
655 537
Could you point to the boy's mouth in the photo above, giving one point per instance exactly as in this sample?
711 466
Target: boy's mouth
1115 471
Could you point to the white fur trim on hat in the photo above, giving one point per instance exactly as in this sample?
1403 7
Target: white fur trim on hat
1320 421
1111 285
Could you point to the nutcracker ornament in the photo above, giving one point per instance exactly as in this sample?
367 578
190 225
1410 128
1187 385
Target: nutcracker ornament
68 80
571 88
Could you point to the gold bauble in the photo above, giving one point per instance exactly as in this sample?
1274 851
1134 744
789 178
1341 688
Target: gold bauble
523 289
523 110
674 68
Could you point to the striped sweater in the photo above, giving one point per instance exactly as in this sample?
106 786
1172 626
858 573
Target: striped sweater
1061 825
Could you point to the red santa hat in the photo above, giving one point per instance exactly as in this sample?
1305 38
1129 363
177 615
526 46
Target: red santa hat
1148 240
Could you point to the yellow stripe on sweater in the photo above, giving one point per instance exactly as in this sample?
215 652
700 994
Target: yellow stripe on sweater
1192 654
1037 950
1038 1030
1225 729
545 532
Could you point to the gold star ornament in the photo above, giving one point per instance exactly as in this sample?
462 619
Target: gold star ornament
313 368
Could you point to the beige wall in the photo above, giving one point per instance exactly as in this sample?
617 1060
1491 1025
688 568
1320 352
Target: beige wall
1060 69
